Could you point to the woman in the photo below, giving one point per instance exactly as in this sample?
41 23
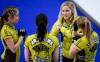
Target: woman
84 48
64 25
41 47
9 36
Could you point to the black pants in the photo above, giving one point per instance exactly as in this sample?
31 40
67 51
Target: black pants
9 56
2 60
64 59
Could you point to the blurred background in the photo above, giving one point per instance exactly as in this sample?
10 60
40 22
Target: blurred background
30 8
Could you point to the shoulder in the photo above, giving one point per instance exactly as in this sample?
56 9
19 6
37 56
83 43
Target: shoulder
76 17
5 27
94 34
54 39
81 43
81 40
84 39
30 37
95 37
59 20
5 31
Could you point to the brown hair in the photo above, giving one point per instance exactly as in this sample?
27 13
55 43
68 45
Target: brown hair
84 23
9 11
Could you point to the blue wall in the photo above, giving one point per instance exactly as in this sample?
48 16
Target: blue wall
28 11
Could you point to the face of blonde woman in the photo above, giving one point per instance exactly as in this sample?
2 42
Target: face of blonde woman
66 12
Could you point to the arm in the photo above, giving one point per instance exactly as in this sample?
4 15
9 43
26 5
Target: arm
73 51
94 47
56 28
27 54
55 55
56 49
96 40
10 44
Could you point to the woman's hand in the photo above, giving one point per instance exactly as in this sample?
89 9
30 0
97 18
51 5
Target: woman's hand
58 27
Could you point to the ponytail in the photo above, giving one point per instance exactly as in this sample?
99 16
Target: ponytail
41 22
88 32
41 31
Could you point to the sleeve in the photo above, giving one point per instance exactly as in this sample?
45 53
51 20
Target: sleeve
56 42
6 33
54 30
96 38
26 44
81 43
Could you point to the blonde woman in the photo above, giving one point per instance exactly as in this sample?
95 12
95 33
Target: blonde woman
64 25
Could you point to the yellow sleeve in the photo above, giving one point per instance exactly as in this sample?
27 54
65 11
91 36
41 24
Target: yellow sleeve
56 42
26 42
95 36
6 33
95 42
54 30
81 43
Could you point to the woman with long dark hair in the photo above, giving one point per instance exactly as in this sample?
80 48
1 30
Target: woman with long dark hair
41 47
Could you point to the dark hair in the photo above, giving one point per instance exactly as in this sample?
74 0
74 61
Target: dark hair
41 22
9 11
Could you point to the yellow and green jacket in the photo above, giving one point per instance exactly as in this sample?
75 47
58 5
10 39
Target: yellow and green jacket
66 30
9 31
41 51
83 43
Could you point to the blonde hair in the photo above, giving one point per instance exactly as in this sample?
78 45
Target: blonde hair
71 5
